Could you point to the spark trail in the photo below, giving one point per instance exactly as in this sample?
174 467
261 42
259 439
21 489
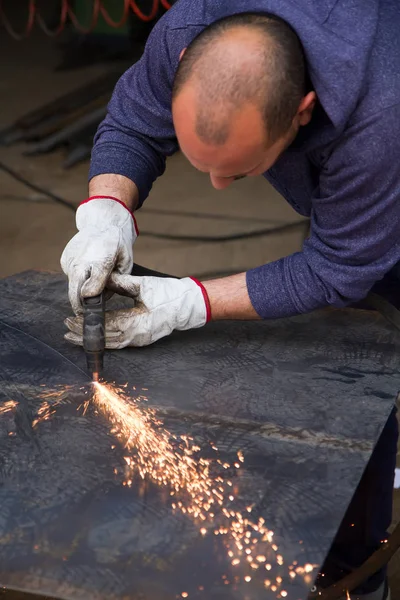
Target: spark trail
173 462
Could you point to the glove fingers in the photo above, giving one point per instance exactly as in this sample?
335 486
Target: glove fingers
120 329
75 334
115 321
95 284
76 281
124 285
115 343
112 343
75 324
74 339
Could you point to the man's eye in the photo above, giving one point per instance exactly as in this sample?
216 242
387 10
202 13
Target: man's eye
239 177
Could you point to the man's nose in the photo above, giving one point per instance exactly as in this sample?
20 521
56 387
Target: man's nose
220 183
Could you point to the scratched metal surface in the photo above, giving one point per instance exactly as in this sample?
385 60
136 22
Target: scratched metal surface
305 400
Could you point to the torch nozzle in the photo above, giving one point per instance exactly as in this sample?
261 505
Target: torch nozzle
93 334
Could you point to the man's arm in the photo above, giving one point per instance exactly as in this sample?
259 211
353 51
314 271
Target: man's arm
355 226
229 298
129 153
137 134
115 186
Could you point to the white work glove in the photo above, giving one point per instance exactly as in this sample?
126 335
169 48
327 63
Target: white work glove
161 306
107 232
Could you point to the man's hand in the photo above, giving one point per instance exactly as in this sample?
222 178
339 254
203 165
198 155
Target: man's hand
161 306
107 232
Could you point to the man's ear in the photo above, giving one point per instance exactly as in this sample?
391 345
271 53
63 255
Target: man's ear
306 107
182 53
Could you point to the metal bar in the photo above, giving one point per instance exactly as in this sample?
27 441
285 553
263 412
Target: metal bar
69 131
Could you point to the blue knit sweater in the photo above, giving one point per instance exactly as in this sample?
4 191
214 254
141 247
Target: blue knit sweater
343 170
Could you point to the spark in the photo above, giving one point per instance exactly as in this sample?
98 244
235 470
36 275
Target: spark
8 406
347 595
261 558
309 568
173 462
153 453
50 400
235 561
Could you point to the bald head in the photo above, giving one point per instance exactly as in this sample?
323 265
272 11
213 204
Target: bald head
242 61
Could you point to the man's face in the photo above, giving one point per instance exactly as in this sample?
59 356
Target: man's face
246 152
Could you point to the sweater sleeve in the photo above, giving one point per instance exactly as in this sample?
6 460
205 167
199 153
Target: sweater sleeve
355 226
137 133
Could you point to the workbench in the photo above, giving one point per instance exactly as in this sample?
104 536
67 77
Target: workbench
302 399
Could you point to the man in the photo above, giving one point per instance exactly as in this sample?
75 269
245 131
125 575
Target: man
307 94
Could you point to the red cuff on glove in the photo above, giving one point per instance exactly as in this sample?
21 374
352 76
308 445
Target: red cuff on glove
205 297
115 200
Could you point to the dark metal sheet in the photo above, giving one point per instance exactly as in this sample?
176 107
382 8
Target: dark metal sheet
305 400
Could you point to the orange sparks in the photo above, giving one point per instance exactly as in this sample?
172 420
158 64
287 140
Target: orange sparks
348 595
167 460
260 558
235 562
7 406
172 462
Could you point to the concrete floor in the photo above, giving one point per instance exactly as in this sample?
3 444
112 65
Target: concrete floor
34 231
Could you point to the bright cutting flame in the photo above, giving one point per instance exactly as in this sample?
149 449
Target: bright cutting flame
348 595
